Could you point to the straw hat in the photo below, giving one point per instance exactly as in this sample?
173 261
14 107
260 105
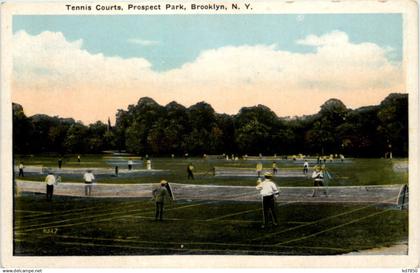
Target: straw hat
163 182
268 174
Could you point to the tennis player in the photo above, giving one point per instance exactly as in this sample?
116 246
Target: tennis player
89 178
269 192
160 194
50 181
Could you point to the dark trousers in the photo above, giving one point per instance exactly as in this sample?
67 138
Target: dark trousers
269 206
50 190
21 172
305 170
130 167
190 175
318 183
159 211
88 189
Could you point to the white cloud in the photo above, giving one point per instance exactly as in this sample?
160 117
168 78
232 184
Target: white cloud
332 38
56 76
143 42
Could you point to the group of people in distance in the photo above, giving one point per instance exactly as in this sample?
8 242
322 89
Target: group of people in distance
52 180
269 191
266 187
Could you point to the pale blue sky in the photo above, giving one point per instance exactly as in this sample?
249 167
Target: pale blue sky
167 42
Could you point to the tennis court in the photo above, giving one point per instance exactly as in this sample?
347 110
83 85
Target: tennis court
211 218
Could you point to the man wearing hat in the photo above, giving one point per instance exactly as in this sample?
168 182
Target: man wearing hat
159 195
50 181
269 192
318 176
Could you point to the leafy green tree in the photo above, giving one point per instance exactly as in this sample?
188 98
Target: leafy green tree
393 126
322 136
22 130
255 127
148 127
76 139
96 136
202 121
133 138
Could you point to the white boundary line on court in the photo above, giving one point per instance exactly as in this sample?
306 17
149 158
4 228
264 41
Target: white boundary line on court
40 226
279 244
335 227
81 211
31 211
314 222
192 243
232 214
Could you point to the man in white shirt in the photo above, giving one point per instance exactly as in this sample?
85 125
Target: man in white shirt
269 192
50 181
305 167
318 176
21 169
89 178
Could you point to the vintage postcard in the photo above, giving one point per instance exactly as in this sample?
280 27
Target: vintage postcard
210 134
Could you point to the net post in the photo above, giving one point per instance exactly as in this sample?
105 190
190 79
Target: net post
402 197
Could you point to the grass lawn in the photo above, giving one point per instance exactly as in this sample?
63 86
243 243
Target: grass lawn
126 226
359 172
111 226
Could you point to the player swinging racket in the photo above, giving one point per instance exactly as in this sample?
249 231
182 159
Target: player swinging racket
269 192
160 194
318 176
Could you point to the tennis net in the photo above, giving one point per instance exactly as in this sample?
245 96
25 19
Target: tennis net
247 172
381 194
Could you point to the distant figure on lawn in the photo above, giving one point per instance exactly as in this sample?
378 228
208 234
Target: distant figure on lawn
60 162
130 164
116 170
259 168
275 169
159 195
269 192
21 167
305 167
88 177
190 170
149 164
318 176
50 181
78 158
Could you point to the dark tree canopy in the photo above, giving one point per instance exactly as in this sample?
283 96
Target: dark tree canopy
149 128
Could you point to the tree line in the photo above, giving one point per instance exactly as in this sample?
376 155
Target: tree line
153 129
